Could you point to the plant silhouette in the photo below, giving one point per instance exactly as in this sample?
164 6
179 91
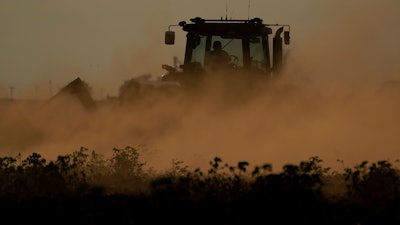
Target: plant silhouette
85 187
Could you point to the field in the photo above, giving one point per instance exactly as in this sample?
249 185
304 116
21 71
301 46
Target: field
87 188
203 162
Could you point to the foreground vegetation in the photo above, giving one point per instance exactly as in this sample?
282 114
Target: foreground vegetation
84 187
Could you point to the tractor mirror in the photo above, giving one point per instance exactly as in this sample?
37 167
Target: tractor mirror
169 37
286 37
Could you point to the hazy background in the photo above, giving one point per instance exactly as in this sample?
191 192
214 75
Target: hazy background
106 42
341 52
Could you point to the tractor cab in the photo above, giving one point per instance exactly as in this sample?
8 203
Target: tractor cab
245 42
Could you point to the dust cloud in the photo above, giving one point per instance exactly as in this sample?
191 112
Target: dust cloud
328 103
284 123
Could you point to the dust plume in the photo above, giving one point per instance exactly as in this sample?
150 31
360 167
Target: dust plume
329 103
283 123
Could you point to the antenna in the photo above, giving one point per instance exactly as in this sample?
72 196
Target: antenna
226 10
248 11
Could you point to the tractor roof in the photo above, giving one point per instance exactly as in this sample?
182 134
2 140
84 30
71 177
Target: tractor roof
225 27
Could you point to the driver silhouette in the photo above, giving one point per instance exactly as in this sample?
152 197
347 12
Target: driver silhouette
218 57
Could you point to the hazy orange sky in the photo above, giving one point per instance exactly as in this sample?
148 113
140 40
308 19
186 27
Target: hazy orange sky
107 42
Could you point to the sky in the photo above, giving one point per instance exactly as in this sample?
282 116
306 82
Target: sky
46 44
341 53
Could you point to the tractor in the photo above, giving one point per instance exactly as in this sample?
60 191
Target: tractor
252 56
247 43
